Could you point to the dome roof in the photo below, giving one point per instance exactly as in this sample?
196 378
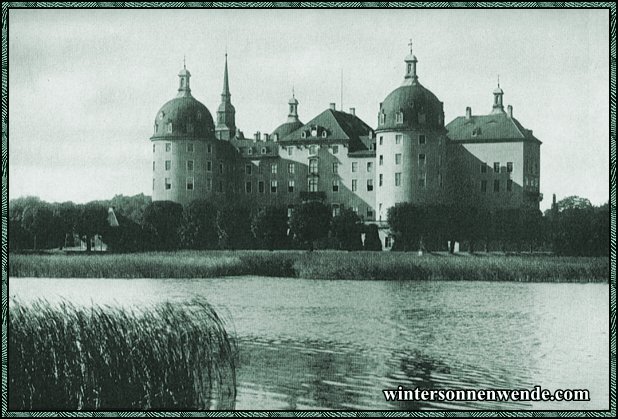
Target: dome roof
284 129
188 116
419 106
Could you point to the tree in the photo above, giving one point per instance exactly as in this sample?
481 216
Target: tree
163 219
91 220
372 238
37 219
270 226
126 237
346 228
310 221
233 225
198 229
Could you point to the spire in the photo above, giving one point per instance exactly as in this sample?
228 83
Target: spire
498 107
411 77
225 96
184 88
226 114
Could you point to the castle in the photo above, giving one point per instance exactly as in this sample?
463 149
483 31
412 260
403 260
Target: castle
337 158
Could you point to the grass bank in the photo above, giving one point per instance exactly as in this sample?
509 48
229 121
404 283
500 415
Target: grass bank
65 357
315 265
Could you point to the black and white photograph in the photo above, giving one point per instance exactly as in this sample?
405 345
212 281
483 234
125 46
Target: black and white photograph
306 209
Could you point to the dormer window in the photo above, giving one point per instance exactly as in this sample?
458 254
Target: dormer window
263 150
382 118
276 137
199 116
399 117
303 134
156 128
190 128
169 128
314 132
324 134
476 132
250 151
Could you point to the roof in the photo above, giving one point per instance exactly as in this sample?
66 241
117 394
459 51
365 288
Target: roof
286 128
488 128
420 107
339 126
187 115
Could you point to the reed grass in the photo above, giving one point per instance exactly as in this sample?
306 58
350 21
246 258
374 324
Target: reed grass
318 265
64 357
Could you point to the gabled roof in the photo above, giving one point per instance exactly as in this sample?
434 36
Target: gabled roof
488 128
340 127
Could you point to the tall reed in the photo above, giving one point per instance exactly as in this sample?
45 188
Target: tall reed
65 357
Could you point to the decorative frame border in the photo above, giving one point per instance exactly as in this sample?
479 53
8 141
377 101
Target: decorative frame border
612 201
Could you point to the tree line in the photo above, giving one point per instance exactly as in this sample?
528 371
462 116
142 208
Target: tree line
573 226
165 225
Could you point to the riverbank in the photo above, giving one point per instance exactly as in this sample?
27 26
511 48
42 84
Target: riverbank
315 265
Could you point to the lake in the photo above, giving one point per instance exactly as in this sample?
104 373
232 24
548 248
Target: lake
317 344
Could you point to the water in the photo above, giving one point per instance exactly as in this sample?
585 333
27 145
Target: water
312 344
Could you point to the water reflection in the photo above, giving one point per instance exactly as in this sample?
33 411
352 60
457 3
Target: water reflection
306 344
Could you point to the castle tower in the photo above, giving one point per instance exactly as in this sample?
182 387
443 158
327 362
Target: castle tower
410 145
226 114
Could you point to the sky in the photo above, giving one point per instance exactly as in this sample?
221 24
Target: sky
86 85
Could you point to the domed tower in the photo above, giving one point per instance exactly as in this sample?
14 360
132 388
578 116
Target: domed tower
292 123
410 145
183 147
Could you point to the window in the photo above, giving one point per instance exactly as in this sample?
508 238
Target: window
156 128
380 179
483 167
290 151
209 148
496 167
440 183
168 164
335 185
335 168
369 212
250 151
248 169
496 185
398 158
168 185
398 179
313 166
291 168
189 128
370 184
303 134
336 210
154 147
399 117
354 185
169 127
168 146
381 160
153 166
209 185
369 166
290 186
261 186
354 167
153 184
483 186
189 165
208 166
313 150
380 211
421 160
220 168
335 149
248 187
189 183
290 211
398 138
355 209
273 169
422 139
509 185
263 150
221 186
382 118
509 167
422 180
381 140
313 184
273 186
372 147
190 148
324 134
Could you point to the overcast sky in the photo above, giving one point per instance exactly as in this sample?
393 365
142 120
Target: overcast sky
85 85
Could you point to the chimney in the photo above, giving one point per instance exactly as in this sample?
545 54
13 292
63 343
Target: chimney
256 136
353 111
332 105
509 111
468 112
266 137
